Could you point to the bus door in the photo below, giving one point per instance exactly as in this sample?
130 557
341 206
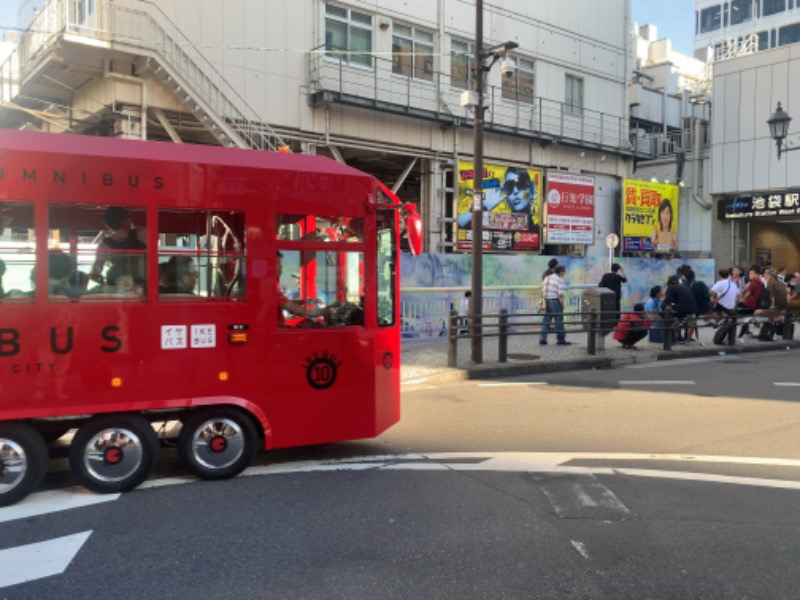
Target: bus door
387 333
321 328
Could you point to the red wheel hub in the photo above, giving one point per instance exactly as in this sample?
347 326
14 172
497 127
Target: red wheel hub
113 455
218 443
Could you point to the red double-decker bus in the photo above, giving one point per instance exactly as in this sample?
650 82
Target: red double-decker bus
249 297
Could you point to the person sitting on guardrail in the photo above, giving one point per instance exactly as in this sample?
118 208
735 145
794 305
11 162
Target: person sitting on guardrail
681 299
632 327
779 296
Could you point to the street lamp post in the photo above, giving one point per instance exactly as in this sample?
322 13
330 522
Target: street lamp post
484 59
779 128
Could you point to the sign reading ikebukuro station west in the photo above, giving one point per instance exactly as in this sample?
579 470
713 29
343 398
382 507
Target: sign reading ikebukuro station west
570 208
762 206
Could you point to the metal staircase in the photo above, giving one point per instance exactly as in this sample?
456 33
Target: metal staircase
159 50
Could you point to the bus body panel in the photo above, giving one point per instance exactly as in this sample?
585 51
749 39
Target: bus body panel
86 356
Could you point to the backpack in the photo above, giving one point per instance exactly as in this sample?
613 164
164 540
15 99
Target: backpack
765 301
702 295
767 332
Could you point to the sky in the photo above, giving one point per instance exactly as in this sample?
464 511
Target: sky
674 19
8 13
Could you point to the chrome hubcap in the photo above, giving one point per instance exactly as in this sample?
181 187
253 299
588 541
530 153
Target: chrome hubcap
218 443
13 464
113 455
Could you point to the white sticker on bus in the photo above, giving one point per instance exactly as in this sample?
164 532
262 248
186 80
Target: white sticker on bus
173 337
204 336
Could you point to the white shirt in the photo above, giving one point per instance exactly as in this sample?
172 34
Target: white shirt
726 295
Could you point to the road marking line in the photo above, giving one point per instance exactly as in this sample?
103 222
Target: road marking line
581 548
512 384
42 503
44 559
787 384
659 382
584 498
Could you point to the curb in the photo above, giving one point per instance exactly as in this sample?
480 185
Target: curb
494 371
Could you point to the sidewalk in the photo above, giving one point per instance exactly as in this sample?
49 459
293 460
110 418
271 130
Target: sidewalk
424 360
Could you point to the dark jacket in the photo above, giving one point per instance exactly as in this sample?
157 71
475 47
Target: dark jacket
681 298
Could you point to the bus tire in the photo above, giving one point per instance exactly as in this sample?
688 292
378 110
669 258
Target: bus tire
23 461
217 443
113 453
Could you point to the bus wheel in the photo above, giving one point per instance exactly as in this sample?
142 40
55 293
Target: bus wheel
217 443
23 461
113 453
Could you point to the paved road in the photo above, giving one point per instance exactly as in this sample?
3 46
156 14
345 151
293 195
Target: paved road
580 485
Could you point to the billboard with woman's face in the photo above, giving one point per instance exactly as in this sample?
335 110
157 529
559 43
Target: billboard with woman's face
649 217
510 207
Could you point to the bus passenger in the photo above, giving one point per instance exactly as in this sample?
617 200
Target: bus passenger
294 307
122 236
180 275
59 267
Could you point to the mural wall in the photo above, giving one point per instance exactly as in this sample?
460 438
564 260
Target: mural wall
425 311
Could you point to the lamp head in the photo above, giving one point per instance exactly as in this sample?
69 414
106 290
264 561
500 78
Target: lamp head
779 124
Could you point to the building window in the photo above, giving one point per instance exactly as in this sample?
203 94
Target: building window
710 19
789 35
348 35
462 57
574 96
412 52
763 40
741 11
519 86
771 7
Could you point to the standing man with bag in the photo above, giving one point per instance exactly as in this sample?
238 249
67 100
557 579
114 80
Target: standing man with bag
613 281
553 294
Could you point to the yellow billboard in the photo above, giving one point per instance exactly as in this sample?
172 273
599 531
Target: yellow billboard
649 217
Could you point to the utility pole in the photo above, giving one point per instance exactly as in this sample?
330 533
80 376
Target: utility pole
476 301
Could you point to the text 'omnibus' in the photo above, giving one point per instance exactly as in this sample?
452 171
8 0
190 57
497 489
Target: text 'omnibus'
252 297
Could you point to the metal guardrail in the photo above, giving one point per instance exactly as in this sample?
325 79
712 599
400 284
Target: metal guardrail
595 323
331 80
424 318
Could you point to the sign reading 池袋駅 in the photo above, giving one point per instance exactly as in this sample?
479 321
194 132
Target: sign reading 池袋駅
570 208
761 206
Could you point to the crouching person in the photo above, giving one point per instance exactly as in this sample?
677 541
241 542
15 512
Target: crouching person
632 327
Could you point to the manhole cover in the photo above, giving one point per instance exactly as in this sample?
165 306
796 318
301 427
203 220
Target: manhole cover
523 356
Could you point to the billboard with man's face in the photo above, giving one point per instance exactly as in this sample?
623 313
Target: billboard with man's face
649 217
510 207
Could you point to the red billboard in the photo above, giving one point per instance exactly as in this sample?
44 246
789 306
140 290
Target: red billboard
569 208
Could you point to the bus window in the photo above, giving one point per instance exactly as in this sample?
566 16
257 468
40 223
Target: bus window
201 255
312 280
17 252
387 265
320 229
105 246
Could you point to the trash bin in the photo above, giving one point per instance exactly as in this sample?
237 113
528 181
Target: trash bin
603 302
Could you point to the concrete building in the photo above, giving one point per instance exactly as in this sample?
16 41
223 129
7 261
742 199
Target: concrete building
734 27
670 100
757 194
373 83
